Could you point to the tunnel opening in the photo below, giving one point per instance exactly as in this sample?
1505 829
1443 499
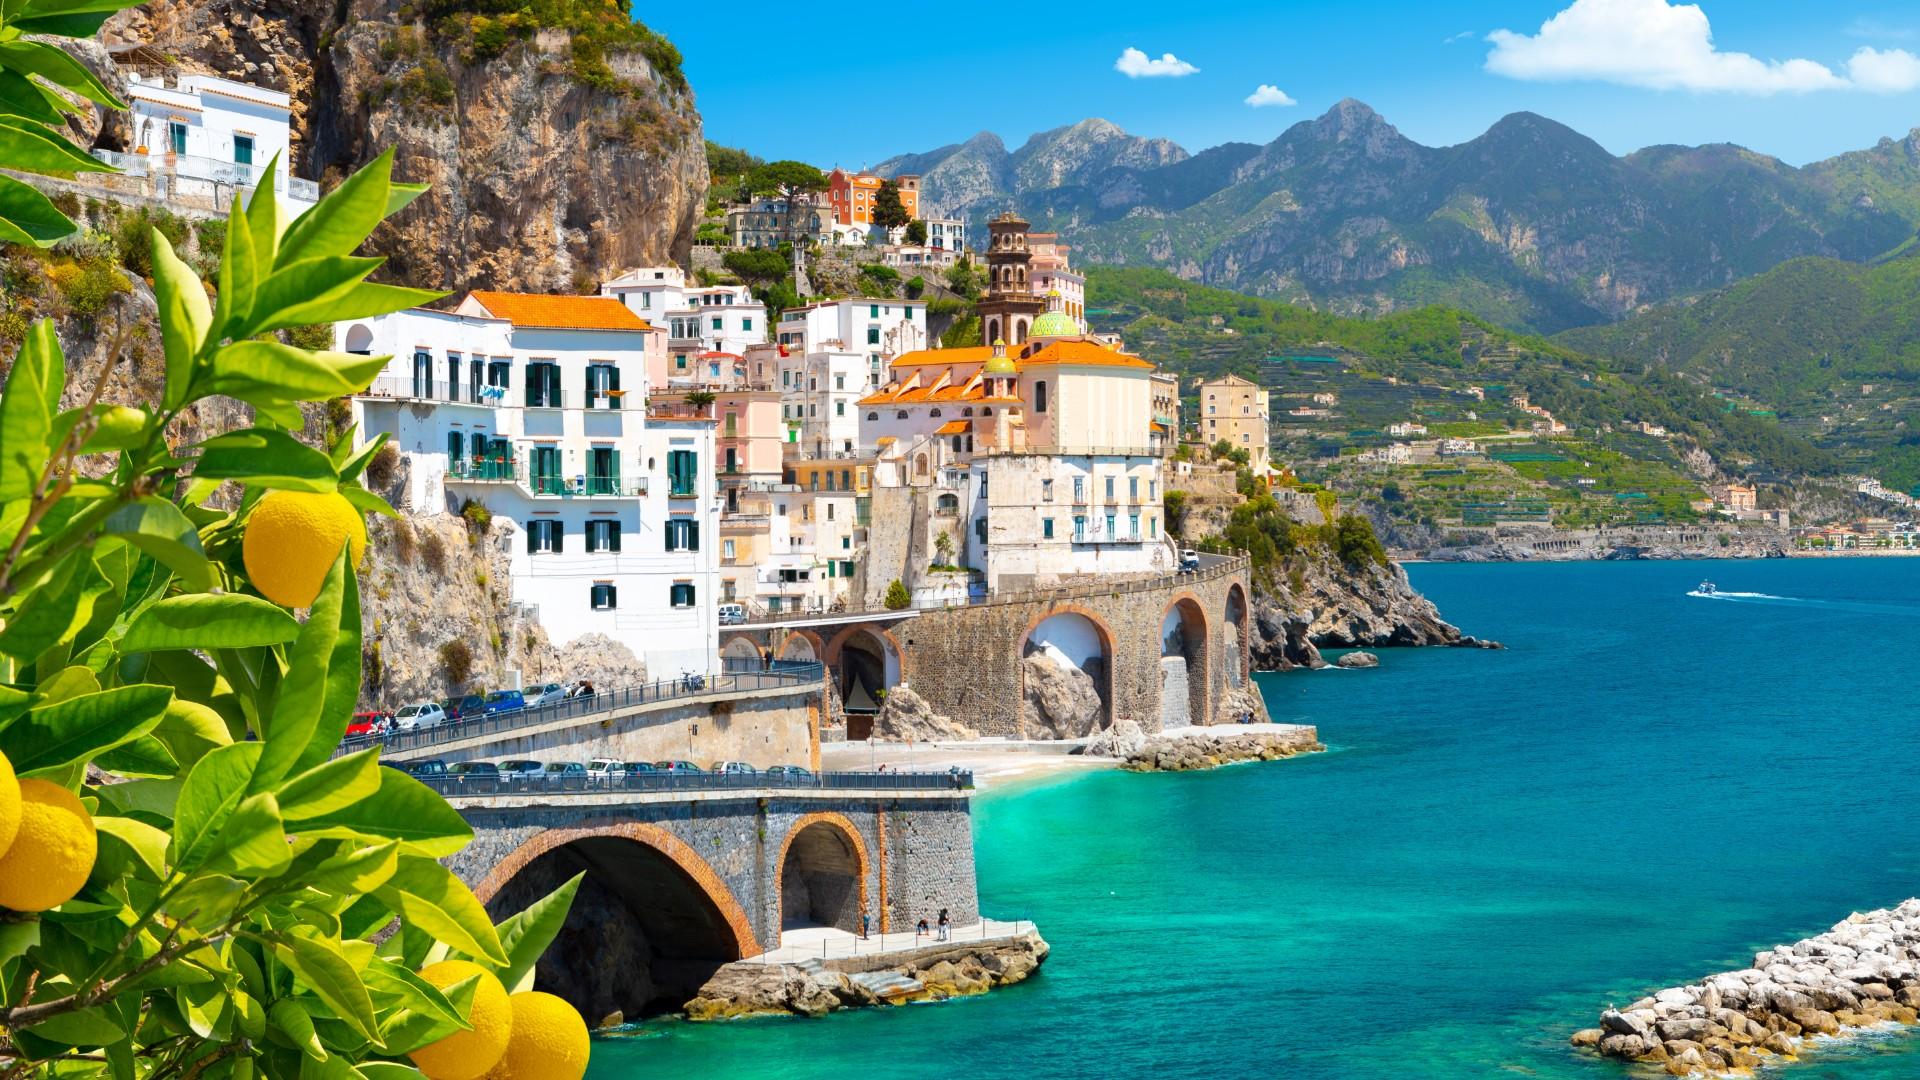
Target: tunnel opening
1183 665
641 938
821 879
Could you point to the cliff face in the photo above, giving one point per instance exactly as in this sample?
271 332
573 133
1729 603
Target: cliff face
553 161
1330 604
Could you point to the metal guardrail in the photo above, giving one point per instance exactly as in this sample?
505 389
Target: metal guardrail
601 702
445 391
579 783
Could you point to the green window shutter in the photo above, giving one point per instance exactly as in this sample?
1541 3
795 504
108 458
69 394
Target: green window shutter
693 535
533 529
613 471
613 534
453 450
534 385
558 530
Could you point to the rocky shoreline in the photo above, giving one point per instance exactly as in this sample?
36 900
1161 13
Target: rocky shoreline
1206 750
818 987
1863 973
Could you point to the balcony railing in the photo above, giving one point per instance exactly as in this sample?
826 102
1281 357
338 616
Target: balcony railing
402 388
586 783
169 168
511 471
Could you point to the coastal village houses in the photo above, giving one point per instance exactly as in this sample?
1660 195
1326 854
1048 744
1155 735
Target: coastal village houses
534 406
1235 409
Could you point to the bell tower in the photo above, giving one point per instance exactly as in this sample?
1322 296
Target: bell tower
1008 308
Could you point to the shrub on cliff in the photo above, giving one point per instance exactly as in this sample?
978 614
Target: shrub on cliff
898 598
254 905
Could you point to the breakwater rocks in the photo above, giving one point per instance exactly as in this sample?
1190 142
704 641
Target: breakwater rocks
1865 972
1204 749
817 987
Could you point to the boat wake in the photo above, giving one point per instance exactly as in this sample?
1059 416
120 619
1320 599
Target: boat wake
1797 601
1721 594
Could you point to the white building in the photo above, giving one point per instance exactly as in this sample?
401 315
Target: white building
533 406
698 318
820 396
203 136
882 328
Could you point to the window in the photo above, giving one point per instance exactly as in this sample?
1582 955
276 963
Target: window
1079 527
719 323
545 473
455 451
746 324
243 149
1133 525
177 137
1079 489
603 470
839 382
545 536
602 380
543 384
683 534
1109 489
1133 489
1040 397
1046 528
846 544
873 416
1046 490
1153 528
726 550
422 374
933 413
680 594
829 506
839 408
602 596
603 535
873 311
846 478
873 335
1110 532
980 529
683 471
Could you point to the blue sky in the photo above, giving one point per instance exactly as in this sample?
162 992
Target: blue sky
1798 80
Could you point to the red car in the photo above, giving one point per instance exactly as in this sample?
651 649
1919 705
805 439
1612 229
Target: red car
364 723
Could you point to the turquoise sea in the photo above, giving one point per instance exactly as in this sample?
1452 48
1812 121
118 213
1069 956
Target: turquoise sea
1645 787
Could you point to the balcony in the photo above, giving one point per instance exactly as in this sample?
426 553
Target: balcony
196 180
542 485
441 391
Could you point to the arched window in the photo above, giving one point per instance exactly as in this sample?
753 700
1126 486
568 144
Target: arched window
1040 397
873 416
935 413
1020 331
900 415
968 411
359 340
986 410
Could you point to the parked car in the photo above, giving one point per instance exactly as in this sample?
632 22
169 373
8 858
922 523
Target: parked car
504 701
791 772
521 768
635 768
1189 561
464 707
732 614
735 768
475 774
419 717
606 768
431 767
368 723
568 773
544 694
678 768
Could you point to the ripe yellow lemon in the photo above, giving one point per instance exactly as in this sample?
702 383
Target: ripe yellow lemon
549 1041
467 1055
9 804
292 539
52 852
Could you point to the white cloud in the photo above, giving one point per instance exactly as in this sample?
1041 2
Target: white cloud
1893 71
1269 95
1135 64
1461 36
1657 44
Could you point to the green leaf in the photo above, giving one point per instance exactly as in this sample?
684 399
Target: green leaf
366 501
209 621
356 871
342 676
302 697
205 900
158 528
267 371
352 463
400 194
527 934
215 786
72 26
115 427
74 730
20 96
16 938
321 965
293 1022
422 1013
28 217
304 284
57 610
185 316
403 809
190 730
147 843
27 146
264 457
428 896
143 755
94 1026
263 217
341 221
253 840
60 69
27 409
331 785
353 301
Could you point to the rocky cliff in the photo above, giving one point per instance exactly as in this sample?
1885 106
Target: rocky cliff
1331 604
557 154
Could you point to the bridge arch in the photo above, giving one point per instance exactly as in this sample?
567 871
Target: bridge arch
865 660
652 920
799 645
741 647
1070 636
1238 633
1184 653
821 875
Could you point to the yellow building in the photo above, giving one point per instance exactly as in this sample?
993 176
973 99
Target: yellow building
1235 409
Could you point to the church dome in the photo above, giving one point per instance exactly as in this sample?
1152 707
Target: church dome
999 363
1053 322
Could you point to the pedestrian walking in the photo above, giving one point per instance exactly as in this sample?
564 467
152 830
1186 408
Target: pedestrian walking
865 921
946 925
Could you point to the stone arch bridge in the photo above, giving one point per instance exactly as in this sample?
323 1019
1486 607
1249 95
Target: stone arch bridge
679 883
1162 651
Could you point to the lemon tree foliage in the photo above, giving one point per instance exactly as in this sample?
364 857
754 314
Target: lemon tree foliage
40 84
195 886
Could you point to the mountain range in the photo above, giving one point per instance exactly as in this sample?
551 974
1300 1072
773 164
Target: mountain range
1531 224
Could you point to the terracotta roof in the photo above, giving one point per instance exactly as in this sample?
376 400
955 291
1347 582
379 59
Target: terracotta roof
1158 427
1074 351
953 427
968 354
560 312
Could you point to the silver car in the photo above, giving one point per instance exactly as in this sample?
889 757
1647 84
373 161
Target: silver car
420 717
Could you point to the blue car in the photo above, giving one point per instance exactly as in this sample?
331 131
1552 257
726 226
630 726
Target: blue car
502 701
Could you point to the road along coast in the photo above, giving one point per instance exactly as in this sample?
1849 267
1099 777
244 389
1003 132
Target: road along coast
1862 974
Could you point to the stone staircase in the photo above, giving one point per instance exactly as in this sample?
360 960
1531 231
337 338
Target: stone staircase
886 985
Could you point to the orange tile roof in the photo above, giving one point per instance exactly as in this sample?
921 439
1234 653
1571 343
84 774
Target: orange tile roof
952 427
966 354
560 312
1073 351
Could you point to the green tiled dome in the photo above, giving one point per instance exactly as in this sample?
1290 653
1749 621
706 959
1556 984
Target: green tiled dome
1054 324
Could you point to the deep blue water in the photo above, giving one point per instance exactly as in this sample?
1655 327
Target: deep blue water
1645 787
